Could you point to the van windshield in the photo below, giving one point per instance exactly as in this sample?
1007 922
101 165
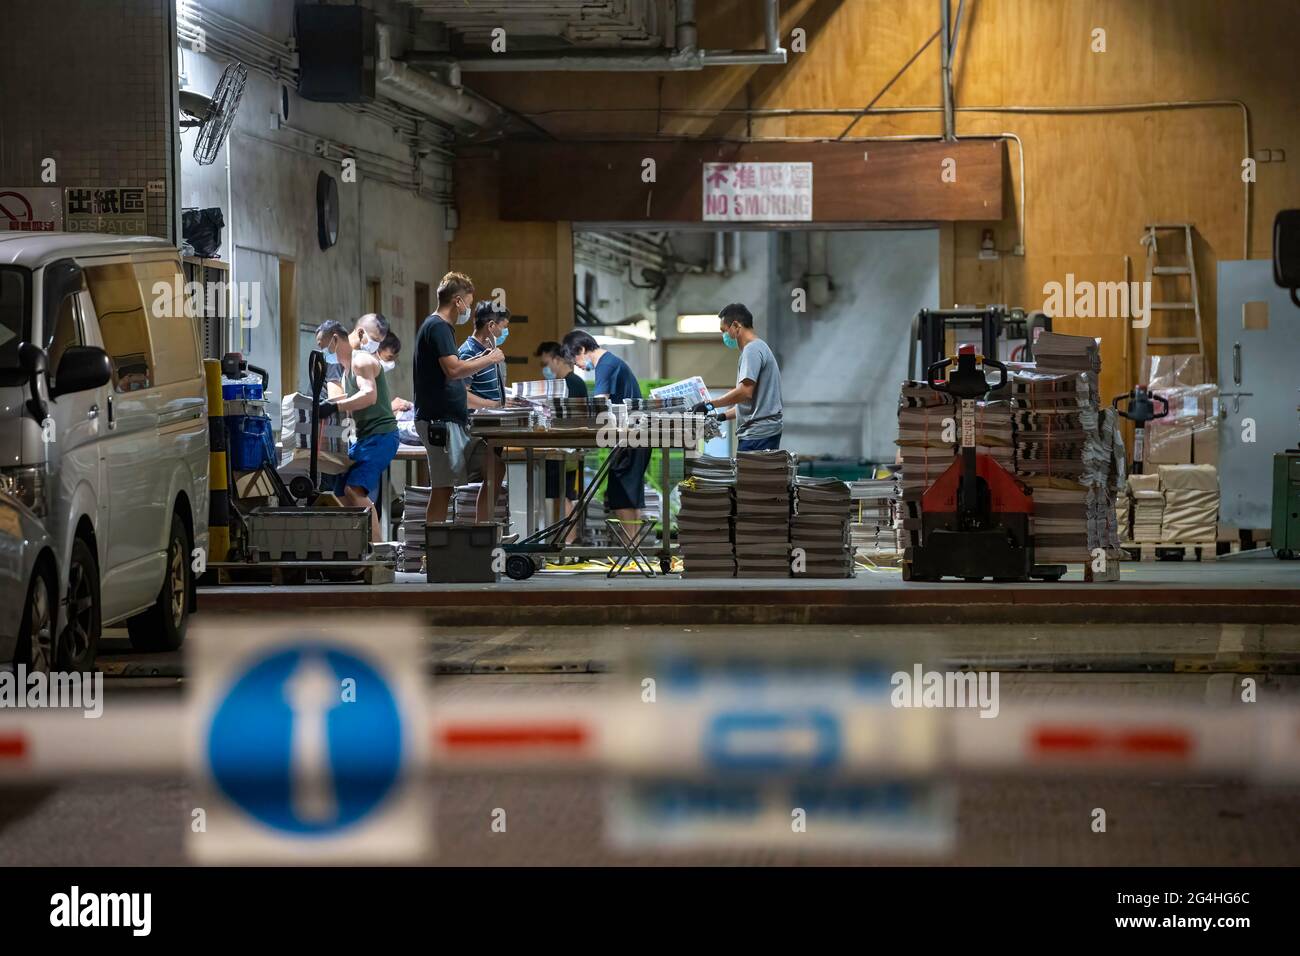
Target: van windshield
15 320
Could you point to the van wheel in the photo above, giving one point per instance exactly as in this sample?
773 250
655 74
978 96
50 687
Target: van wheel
40 620
79 643
162 627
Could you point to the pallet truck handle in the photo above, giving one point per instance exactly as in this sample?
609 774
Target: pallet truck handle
1000 369
932 376
1163 401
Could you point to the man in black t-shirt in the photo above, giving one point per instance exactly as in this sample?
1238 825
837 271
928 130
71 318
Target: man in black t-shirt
441 412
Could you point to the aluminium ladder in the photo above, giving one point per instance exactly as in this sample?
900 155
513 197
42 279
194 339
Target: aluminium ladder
1176 305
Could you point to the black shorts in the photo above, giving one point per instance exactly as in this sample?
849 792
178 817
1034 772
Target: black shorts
626 485
553 481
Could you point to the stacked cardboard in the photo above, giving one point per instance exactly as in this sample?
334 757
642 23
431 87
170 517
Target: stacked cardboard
706 520
763 513
1191 514
1148 507
819 529
1068 353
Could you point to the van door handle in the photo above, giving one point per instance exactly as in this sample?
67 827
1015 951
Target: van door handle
93 411
112 423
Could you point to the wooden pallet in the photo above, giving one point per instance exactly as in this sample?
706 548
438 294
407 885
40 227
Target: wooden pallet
1196 551
281 573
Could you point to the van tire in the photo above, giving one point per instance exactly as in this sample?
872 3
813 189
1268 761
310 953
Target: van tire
162 627
79 642
38 635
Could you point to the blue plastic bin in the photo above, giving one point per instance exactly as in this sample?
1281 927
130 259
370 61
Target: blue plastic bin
251 442
241 391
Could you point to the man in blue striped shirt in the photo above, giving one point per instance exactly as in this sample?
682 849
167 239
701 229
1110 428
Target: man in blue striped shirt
491 328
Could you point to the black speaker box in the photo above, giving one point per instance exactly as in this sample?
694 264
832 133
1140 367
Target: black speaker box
336 53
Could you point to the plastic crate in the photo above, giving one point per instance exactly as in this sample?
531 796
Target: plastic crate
308 534
461 553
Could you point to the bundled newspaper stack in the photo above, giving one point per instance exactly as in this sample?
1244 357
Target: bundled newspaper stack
706 519
540 388
295 440
873 531
1191 513
519 417
415 501
1148 508
464 505
1068 353
819 529
763 513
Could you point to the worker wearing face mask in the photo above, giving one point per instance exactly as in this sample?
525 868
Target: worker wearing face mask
755 402
363 397
491 329
441 409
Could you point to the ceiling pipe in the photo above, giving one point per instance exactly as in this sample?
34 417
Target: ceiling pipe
719 252
419 91
686 57
737 256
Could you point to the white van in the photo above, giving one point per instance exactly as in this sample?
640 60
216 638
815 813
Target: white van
104 429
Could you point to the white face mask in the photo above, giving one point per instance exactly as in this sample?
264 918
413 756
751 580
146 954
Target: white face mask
388 366
463 317
370 346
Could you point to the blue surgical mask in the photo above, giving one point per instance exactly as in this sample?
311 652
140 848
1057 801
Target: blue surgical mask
548 373
331 358
501 339
729 340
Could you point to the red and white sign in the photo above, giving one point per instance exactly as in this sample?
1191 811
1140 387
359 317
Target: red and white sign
31 209
758 192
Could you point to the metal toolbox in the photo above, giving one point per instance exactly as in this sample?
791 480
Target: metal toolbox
461 553
308 534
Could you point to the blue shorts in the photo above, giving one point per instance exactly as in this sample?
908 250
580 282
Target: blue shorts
370 456
770 443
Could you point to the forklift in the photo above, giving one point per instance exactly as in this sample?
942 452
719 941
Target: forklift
975 516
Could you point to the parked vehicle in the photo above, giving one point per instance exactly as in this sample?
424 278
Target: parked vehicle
29 585
103 429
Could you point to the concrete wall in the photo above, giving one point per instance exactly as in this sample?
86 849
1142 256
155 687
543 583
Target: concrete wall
85 83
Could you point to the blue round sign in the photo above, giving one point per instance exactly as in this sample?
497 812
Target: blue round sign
300 749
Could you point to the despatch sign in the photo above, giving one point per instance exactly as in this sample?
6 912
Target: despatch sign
758 192
116 210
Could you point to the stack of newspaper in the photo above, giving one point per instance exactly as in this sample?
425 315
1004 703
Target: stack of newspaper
514 417
1068 353
705 522
464 505
819 529
763 513
415 499
873 530
1148 507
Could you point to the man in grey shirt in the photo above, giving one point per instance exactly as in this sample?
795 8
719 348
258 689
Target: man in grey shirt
755 402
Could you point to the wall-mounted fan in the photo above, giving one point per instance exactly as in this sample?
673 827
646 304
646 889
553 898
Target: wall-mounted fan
214 116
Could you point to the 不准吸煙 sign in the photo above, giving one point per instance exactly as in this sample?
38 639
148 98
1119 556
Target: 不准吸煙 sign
758 192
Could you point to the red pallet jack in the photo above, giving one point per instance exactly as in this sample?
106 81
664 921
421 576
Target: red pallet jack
975 517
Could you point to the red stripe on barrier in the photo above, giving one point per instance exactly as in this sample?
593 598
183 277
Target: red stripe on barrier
13 746
1067 740
469 736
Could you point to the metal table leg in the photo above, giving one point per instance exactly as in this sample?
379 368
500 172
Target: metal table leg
530 524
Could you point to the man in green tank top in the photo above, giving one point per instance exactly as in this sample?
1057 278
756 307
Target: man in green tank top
367 401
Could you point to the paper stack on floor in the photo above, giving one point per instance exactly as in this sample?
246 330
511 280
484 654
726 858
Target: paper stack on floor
873 530
1191 504
1148 507
415 500
1067 353
819 529
705 521
763 514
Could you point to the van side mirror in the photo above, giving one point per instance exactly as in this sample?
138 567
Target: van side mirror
82 368
1286 251
33 361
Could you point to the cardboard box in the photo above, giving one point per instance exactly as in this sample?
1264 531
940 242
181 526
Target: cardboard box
1205 446
1168 444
